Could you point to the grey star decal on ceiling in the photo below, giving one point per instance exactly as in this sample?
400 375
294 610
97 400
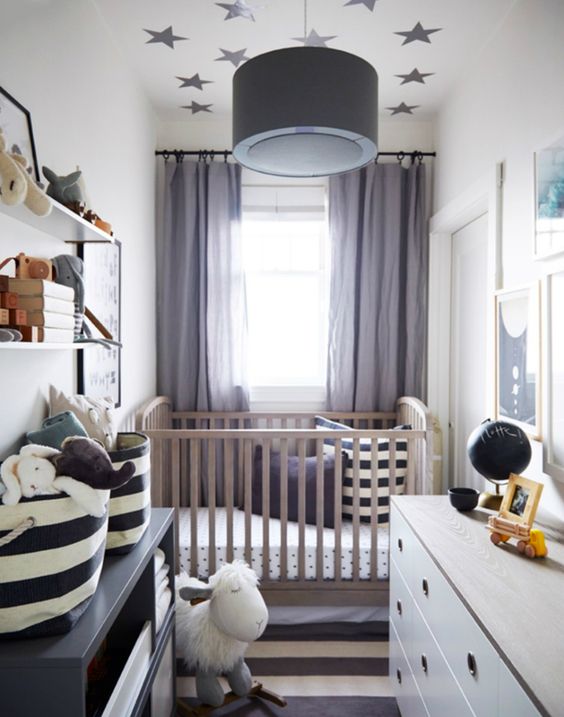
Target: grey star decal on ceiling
193 81
367 3
418 33
239 8
415 76
236 57
167 37
315 40
402 108
195 107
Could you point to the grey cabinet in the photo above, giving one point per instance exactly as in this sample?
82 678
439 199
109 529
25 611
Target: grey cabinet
49 676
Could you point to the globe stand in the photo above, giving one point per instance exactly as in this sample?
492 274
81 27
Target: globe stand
491 501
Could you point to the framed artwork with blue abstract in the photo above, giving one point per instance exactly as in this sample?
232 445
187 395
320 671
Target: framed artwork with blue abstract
518 348
549 200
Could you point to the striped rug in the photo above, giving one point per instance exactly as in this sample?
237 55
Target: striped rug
326 670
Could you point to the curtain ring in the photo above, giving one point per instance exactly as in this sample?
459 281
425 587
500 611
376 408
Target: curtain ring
376 157
166 156
420 158
178 156
225 156
400 157
212 155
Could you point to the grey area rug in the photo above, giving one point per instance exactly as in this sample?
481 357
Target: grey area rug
313 707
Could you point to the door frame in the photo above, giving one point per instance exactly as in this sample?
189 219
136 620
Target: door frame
485 196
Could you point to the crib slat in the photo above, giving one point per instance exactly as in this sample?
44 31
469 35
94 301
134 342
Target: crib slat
228 482
248 505
356 509
194 492
301 508
375 450
283 509
240 466
392 484
320 479
212 497
158 480
338 508
184 452
266 509
175 486
410 488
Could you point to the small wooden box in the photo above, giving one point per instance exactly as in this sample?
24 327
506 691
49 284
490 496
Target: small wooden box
29 333
4 317
8 300
18 317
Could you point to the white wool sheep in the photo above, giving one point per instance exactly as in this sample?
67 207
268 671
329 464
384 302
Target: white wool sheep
213 633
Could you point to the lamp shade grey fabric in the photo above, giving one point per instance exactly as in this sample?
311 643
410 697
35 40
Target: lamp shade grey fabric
305 112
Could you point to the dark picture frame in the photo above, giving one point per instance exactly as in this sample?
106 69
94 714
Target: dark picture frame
15 122
99 368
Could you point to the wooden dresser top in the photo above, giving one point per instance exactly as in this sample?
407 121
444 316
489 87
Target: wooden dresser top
518 602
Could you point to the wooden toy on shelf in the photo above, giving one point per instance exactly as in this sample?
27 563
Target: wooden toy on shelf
516 516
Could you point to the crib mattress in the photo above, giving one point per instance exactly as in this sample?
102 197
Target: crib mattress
275 542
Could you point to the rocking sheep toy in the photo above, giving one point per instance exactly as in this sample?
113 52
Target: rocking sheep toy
215 624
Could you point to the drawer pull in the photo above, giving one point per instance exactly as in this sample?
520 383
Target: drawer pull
424 662
471 660
398 607
398 675
425 586
400 545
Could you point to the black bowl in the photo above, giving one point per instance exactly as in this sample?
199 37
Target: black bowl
463 498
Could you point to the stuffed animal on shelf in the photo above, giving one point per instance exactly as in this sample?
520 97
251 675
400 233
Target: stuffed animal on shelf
35 199
13 187
37 470
64 189
215 624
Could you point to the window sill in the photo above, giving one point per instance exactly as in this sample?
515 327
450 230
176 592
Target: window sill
288 398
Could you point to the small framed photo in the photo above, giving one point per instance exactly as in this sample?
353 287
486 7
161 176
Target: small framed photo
518 350
521 500
15 122
549 200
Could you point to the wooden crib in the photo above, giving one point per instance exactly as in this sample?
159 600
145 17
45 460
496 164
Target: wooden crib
204 466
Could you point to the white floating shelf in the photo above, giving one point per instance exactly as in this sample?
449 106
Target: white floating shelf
61 223
40 346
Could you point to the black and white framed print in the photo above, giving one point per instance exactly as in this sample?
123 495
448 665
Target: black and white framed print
549 200
15 122
517 322
99 368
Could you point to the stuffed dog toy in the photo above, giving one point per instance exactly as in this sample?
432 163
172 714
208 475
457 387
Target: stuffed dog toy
37 470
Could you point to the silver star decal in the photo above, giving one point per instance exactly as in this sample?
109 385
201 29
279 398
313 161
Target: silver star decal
195 107
315 40
367 3
239 8
167 37
403 109
418 33
236 57
415 76
193 81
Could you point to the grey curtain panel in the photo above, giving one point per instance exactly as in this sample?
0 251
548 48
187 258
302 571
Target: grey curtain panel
377 320
201 309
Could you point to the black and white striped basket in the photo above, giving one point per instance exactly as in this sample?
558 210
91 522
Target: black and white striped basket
130 505
51 556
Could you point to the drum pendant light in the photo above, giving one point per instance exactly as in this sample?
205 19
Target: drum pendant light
305 112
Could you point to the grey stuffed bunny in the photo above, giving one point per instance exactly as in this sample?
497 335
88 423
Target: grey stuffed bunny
64 189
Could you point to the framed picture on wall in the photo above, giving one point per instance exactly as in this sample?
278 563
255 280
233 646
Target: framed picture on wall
518 347
15 122
99 368
549 200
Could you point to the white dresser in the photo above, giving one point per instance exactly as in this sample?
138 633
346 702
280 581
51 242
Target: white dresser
475 629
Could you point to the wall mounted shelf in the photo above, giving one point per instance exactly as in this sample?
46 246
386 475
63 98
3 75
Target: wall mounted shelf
61 223
39 346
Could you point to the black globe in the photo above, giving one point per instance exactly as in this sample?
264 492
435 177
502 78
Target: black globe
498 448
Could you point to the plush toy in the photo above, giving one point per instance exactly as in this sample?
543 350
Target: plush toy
64 189
35 199
13 187
86 460
215 622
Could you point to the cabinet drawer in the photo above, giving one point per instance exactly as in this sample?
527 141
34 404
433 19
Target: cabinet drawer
512 698
126 691
405 690
401 607
439 689
401 542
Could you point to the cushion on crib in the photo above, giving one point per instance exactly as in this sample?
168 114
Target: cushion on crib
383 472
293 472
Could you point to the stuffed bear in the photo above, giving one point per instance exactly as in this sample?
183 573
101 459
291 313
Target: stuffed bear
13 187
86 460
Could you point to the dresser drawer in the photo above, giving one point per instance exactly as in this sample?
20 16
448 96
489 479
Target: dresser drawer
512 698
409 700
401 542
401 607
439 689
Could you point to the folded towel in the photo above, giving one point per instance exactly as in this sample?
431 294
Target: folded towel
159 559
162 607
160 588
161 575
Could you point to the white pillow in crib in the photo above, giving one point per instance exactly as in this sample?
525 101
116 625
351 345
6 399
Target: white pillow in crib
96 414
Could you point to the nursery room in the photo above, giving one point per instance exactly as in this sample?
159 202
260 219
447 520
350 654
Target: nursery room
281 358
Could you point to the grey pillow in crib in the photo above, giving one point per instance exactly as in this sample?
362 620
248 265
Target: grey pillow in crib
293 472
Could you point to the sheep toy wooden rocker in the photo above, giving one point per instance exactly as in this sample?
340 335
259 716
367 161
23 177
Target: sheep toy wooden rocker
215 623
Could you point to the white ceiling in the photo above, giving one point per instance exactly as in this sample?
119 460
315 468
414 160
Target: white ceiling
465 27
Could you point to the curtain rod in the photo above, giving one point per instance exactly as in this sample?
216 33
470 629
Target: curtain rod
205 154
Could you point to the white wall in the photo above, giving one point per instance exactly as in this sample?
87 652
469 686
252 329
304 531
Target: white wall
509 104
58 61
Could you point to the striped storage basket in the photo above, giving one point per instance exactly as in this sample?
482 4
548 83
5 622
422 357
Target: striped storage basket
130 505
51 556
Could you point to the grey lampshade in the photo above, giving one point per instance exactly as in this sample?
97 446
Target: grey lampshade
305 112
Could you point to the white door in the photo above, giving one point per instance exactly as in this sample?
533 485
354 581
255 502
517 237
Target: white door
468 358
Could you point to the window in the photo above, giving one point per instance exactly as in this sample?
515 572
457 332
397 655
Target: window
286 265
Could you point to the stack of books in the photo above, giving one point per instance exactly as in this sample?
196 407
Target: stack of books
49 310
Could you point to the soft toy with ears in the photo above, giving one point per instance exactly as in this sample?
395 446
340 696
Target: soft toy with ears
14 185
35 200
